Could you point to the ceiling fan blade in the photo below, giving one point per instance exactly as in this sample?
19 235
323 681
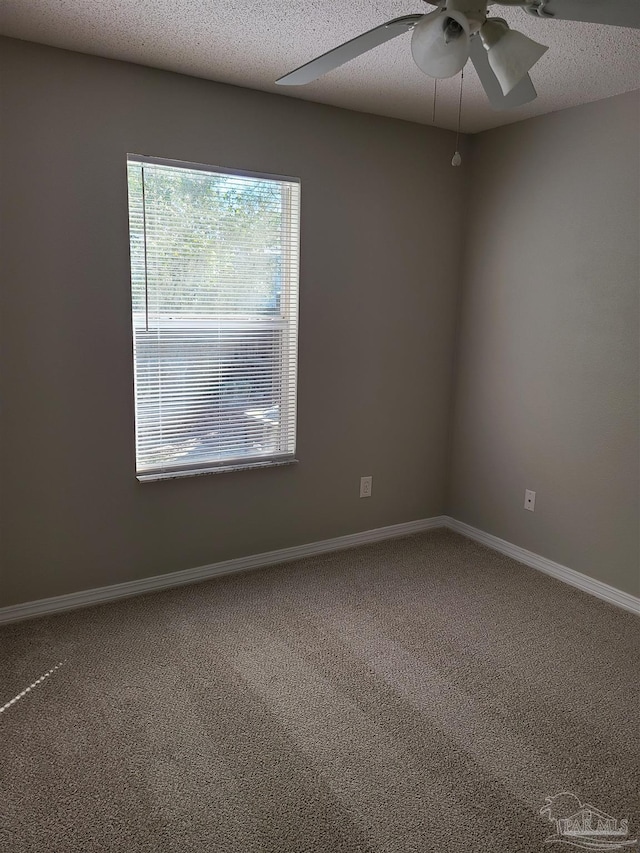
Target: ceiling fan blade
521 94
616 13
349 50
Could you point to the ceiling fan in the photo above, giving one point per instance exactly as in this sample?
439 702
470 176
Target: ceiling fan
458 30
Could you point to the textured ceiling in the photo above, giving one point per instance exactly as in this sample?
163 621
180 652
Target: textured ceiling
250 43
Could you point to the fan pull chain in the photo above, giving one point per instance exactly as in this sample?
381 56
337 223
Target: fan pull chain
435 92
457 157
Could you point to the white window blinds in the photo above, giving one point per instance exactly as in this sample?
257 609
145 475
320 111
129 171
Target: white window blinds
214 274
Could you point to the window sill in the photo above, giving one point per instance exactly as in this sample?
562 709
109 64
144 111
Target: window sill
155 476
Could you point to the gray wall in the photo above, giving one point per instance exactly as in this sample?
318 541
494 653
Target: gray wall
379 277
546 392
547 360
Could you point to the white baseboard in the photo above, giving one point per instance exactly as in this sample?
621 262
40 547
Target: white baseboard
103 594
556 570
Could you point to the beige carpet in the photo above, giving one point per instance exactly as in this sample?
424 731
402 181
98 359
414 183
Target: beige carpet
424 694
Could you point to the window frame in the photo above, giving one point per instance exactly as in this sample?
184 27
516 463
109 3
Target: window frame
286 322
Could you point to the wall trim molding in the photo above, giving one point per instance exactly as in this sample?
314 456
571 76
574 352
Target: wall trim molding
587 584
104 594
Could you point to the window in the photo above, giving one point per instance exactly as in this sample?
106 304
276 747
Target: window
214 280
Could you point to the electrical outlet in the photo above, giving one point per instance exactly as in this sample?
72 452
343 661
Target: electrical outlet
529 500
365 486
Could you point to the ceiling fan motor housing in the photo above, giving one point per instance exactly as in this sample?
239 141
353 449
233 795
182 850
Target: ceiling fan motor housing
475 11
